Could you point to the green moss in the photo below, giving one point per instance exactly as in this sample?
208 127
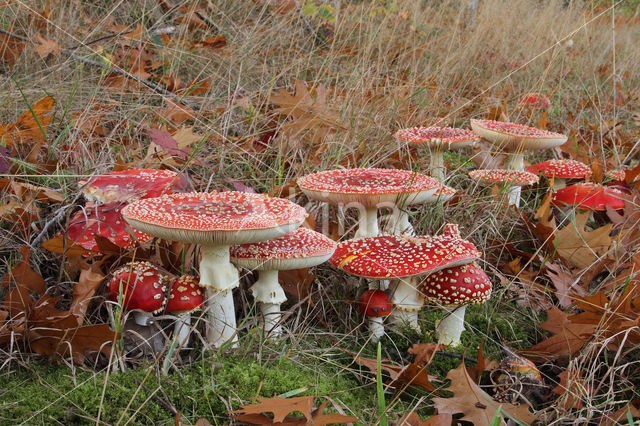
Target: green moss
43 393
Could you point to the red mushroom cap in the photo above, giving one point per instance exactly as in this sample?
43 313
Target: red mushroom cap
143 285
617 175
457 286
438 136
534 100
185 295
516 136
106 221
375 303
395 256
512 177
130 184
589 196
301 248
564 169
215 218
369 187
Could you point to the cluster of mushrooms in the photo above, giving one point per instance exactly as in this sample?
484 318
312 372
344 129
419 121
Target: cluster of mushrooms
261 233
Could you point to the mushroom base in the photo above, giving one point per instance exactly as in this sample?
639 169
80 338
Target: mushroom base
142 318
222 317
407 301
269 293
450 328
376 327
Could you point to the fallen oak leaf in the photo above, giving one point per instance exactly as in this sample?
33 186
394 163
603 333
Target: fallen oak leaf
580 247
279 407
46 47
83 291
565 283
412 419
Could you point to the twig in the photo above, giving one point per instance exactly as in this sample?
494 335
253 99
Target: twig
153 86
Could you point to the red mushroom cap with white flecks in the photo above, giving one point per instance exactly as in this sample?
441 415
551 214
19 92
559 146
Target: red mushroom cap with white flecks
106 221
130 184
448 137
215 218
301 248
589 196
512 177
369 187
374 303
563 169
464 284
442 194
185 295
617 175
142 284
534 100
395 256
516 136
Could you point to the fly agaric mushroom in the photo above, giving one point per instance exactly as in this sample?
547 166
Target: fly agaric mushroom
105 221
128 185
185 297
516 139
140 286
560 171
216 221
455 287
394 256
588 196
369 189
375 305
302 248
438 140
534 101
616 175
512 178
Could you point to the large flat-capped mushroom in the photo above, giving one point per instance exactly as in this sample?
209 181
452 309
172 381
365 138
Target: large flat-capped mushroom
216 221
516 139
368 190
438 140
509 178
455 287
139 286
128 185
560 171
302 248
185 297
395 256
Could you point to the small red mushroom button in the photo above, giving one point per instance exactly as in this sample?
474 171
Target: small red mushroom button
375 304
185 297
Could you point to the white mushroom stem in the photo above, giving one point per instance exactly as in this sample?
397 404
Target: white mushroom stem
219 277
450 328
398 223
142 318
407 301
437 165
559 183
515 162
368 223
376 327
269 293
181 328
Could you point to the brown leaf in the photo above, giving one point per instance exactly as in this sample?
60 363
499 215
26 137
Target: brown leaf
46 47
424 352
212 42
83 292
24 276
565 283
57 339
25 135
476 405
296 282
164 141
280 407
62 245
412 419
570 390
10 48
580 247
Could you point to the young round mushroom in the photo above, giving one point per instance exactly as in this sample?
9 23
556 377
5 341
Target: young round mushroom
375 305
368 190
588 196
455 287
128 185
394 256
438 140
216 221
140 286
560 171
185 297
105 221
508 178
302 248
516 139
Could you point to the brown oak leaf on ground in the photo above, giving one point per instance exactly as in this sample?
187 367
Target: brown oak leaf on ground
580 247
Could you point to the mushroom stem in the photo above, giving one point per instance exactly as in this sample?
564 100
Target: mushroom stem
515 162
368 223
450 328
142 318
559 183
398 223
269 293
437 165
181 328
219 277
376 327
407 301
